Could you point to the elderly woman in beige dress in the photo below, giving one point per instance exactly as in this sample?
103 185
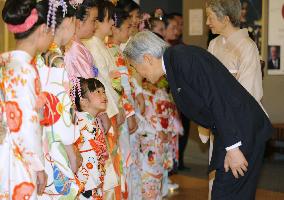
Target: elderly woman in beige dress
234 48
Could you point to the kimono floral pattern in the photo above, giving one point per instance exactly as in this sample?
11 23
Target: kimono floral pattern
122 85
105 63
93 148
14 116
58 130
152 146
159 148
20 122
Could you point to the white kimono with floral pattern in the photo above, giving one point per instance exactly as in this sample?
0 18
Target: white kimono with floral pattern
21 144
58 131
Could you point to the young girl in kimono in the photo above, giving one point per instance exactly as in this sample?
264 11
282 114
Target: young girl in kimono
22 175
156 153
105 63
78 59
61 160
133 9
169 118
90 99
121 82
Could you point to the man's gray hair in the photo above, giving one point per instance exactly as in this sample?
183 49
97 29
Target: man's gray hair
142 43
230 8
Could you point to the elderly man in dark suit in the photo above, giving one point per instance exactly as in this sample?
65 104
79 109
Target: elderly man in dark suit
208 94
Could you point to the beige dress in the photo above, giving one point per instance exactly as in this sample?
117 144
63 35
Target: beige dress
239 54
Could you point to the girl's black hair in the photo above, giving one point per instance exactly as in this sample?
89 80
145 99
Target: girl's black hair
82 10
59 13
122 3
16 12
119 17
105 8
86 85
128 6
167 19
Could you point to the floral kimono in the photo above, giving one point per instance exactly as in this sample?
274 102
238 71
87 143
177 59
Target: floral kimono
58 127
21 135
123 87
105 63
93 148
156 153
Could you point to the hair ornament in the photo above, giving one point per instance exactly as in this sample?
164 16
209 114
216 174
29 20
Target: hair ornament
51 15
27 25
115 20
75 3
75 85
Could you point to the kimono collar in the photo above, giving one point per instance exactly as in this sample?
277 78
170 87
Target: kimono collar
86 116
22 55
163 65
86 119
98 41
236 36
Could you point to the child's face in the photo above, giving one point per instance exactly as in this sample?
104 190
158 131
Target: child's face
87 27
105 26
124 31
172 30
97 100
135 19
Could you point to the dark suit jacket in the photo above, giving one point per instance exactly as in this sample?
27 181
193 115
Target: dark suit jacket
272 66
206 92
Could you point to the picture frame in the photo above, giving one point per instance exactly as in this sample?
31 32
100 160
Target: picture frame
275 42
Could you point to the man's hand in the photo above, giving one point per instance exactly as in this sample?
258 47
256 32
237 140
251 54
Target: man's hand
235 161
41 182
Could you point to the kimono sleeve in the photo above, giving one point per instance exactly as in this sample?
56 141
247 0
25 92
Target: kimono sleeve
250 71
78 63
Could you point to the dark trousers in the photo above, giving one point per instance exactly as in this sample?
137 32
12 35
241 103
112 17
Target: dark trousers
227 187
183 138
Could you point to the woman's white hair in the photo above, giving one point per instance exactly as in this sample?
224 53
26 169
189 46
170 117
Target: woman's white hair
145 42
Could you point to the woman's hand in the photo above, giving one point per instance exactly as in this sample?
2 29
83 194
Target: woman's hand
132 124
41 181
141 103
114 74
104 122
74 156
120 117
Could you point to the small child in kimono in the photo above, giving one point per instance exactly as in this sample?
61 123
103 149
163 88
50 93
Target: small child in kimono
90 99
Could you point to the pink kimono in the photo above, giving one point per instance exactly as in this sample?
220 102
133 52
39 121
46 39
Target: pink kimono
79 61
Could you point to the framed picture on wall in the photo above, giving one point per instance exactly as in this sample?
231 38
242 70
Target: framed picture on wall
275 37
